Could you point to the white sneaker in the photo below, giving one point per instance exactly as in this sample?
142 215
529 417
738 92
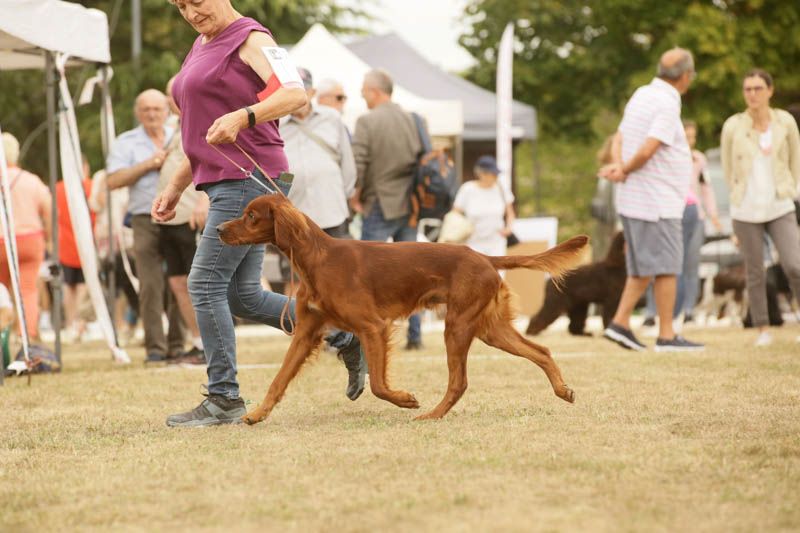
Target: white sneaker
764 339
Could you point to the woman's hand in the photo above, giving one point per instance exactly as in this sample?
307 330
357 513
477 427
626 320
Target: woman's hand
505 232
165 203
226 128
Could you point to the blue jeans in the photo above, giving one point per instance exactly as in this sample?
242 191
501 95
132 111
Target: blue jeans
377 228
688 283
226 280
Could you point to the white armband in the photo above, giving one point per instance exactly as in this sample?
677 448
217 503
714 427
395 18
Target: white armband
282 65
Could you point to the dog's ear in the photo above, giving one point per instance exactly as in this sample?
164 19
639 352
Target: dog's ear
290 224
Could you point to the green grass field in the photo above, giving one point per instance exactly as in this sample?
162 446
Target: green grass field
654 442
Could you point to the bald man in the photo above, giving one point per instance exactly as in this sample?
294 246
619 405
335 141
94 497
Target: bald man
652 166
134 162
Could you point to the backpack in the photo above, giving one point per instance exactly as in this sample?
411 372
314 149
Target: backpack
43 358
434 182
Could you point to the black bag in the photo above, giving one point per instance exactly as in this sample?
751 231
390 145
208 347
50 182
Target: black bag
434 183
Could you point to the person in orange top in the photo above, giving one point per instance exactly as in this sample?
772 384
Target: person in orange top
30 203
74 282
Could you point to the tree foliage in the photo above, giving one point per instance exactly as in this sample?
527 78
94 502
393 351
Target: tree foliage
166 39
575 59
578 61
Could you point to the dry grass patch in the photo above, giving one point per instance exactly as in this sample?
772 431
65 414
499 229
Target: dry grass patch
654 442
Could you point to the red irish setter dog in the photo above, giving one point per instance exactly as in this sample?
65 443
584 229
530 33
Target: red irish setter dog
363 286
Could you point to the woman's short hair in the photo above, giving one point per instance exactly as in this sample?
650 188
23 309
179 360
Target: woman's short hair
11 148
760 73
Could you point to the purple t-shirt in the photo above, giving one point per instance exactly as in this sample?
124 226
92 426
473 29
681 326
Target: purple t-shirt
214 81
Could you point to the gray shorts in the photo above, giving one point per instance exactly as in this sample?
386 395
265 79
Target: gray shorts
653 248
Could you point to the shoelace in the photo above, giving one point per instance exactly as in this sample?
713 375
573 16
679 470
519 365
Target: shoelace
285 311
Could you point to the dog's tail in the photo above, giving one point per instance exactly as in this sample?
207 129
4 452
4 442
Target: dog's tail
556 261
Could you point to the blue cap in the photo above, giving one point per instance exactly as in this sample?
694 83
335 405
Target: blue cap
488 164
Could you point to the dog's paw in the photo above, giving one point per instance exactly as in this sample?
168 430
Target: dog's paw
408 401
253 418
567 394
429 416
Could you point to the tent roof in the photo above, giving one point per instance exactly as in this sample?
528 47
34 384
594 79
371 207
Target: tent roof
29 26
413 71
326 57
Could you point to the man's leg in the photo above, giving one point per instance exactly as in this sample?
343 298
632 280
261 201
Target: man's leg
150 270
405 233
179 247
176 330
664 290
631 294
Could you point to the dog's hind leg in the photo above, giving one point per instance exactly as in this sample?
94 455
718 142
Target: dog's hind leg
375 341
307 337
501 334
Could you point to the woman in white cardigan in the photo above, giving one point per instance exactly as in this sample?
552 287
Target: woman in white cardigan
761 161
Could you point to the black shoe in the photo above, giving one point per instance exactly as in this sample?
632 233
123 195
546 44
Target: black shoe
212 411
678 344
413 345
195 356
353 358
649 322
623 336
155 358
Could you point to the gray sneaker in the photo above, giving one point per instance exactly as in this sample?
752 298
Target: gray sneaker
212 411
353 358
624 337
678 344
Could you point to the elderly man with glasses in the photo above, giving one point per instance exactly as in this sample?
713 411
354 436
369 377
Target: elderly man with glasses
330 93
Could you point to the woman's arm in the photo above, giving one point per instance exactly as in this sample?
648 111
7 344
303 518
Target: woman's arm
726 147
510 216
794 152
285 100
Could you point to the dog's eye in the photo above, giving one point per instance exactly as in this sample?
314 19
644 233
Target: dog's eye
251 216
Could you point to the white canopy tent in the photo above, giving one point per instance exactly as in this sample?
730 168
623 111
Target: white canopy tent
326 57
33 35
29 29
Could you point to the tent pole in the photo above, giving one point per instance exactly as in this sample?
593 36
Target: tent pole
111 281
536 181
52 155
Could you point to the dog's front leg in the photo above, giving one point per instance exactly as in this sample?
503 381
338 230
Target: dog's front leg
308 336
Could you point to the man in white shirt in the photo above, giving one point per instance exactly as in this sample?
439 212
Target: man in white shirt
652 166
320 157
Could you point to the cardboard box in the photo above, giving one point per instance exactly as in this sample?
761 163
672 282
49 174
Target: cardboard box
527 284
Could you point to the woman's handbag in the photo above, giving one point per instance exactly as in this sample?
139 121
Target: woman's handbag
456 228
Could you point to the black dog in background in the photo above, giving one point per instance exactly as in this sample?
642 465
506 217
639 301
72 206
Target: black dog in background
599 283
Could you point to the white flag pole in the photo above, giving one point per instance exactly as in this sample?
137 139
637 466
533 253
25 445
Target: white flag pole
505 66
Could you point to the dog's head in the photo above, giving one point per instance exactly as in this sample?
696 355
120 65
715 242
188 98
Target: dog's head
267 219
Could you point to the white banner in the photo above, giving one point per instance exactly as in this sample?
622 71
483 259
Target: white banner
72 174
504 89
10 239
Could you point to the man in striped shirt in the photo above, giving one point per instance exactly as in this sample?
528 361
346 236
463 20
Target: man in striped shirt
652 166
